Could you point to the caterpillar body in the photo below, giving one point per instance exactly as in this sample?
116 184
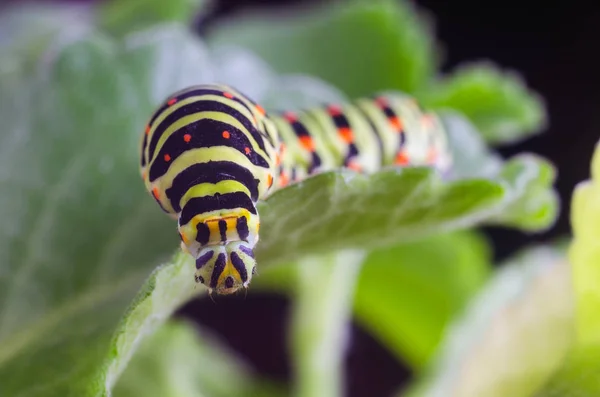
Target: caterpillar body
209 153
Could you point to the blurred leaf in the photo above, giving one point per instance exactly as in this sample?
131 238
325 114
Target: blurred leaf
321 313
579 375
533 206
120 17
242 68
335 42
512 338
27 30
182 360
497 102
407 294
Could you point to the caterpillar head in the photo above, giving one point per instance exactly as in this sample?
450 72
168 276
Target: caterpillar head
226 268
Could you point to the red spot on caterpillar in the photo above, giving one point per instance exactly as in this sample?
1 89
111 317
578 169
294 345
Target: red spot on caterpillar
290 116
381 101
228 95
270 180
147 129
334 110
308 143
226 135
346 135
155 193
172 101
260 110
402 158
167 158
247 150
396 123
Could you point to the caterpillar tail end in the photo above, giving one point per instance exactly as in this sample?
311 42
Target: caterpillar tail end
225 269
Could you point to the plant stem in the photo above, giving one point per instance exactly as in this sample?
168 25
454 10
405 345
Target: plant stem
320 321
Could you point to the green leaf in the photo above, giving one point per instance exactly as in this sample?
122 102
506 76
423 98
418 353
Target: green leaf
124 16
497 102
513 337
183 360
321 313
340 36
578 376
407 294
531 204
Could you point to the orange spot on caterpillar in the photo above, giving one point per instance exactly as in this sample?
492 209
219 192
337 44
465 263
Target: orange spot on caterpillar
334 110
283 179
144 174
155 193
187 137
270 180
260 110
147 130
308 143
172 101
167 158
247 150
290 116
228 95
226 135
402 158
346 134
396 123
353 165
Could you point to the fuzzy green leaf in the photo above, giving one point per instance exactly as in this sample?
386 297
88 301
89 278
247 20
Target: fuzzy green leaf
121 17
358 46
497 102
512 338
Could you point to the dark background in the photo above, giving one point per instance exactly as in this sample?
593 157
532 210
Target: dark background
555 48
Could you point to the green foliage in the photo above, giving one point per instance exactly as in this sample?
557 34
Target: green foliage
81 240
379 45
497 102
335 42
418 288
123 16
513 336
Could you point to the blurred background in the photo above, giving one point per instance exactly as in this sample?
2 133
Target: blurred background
554 47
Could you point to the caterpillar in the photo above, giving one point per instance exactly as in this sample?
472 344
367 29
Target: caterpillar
210 153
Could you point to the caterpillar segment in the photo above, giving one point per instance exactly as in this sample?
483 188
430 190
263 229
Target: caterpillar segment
209 154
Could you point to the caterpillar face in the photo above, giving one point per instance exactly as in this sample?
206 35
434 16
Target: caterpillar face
209 154
226 268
